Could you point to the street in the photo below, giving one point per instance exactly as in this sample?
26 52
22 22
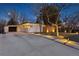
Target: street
24 44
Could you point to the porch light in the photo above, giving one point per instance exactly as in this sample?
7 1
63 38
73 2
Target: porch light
47 31
53 30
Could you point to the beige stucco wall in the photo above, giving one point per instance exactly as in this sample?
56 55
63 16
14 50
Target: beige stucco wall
6 29
28 27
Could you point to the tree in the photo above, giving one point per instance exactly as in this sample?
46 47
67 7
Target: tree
49 15
72 21
22 19
13 17
12 22
16 17
39 22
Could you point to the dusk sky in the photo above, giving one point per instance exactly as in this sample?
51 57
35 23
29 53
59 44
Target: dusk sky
28 10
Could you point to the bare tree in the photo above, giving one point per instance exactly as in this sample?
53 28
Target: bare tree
22 19
13 17
72 21
16 17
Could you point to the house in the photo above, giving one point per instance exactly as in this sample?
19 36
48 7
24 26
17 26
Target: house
26 27
29 27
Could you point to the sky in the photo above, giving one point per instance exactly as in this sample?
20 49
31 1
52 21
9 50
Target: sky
70 10
29 10
26 10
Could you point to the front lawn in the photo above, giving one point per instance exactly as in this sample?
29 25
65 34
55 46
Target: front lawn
70 36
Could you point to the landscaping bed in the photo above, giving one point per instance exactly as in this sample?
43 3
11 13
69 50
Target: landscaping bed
70 36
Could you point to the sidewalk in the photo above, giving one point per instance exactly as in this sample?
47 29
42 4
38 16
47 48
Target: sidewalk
61 40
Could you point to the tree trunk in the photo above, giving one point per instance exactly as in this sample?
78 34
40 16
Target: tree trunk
57 31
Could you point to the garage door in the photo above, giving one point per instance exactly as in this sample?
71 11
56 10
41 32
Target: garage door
12 29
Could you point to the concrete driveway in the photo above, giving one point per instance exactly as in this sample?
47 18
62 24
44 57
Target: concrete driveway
24 44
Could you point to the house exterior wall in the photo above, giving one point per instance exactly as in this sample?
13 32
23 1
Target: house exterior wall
35 28
28 27
32 27
6 28
49 29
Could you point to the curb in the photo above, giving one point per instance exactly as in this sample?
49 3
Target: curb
57 40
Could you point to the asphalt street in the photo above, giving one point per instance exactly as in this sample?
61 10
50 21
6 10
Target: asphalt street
24 44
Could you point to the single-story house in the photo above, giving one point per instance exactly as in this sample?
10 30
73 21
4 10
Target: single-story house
26 27
29 27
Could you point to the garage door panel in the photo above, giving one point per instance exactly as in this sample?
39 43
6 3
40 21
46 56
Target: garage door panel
12 29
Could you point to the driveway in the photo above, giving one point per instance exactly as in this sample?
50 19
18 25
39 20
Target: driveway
24 44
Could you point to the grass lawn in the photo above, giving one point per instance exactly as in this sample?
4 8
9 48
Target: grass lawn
71 36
